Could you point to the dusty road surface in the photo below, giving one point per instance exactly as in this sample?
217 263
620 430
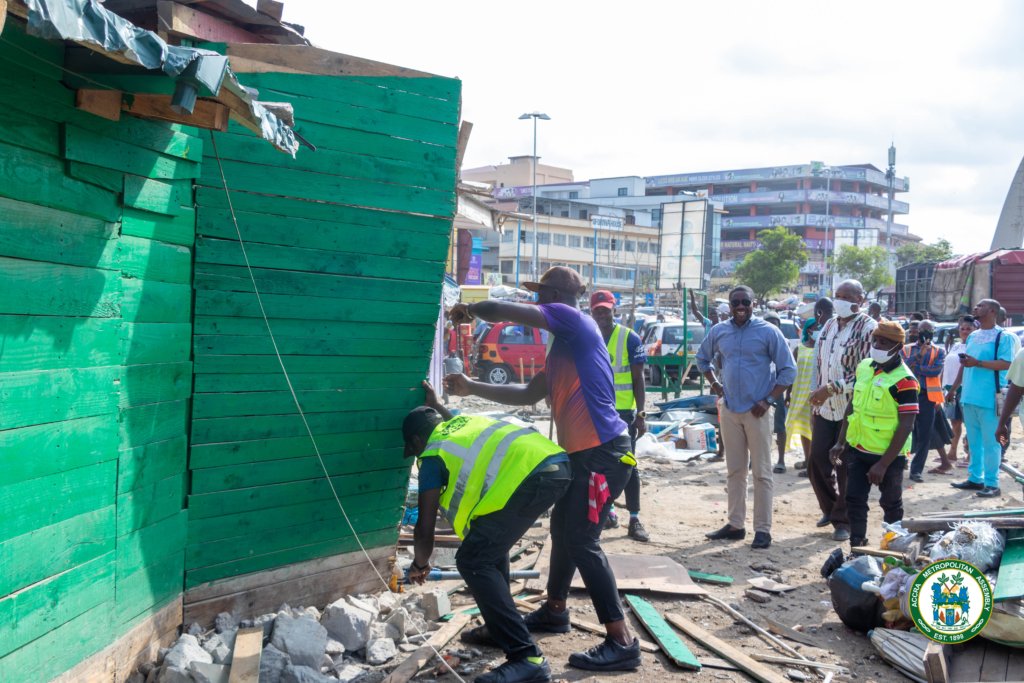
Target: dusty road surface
680 503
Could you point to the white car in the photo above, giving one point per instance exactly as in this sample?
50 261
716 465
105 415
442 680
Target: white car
667 338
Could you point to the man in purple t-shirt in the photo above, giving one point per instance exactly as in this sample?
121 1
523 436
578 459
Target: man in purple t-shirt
577 379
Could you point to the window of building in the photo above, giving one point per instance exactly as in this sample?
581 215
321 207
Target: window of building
573 194
603 243
588 242
641 247
615 244
623 192
654 247
508 236
630 245
565 214
584 215
575 241
543 238
545 266
656 217
558 239
507 267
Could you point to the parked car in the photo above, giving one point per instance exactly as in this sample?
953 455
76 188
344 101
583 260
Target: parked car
509 352
791 331
667 338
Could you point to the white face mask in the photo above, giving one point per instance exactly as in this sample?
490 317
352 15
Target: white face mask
881 356
844 309
815 335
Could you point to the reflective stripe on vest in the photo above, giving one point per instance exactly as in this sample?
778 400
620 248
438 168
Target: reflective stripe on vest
618 350
932 385
486 460
875 416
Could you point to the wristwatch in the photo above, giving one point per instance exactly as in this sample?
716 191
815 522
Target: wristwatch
771 401
642 414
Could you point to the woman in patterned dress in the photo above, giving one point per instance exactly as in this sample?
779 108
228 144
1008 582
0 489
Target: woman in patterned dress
798 397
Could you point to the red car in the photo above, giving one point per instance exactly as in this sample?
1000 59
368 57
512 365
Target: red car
510 352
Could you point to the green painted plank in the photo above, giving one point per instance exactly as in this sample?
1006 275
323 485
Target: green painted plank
219 345
157 196
242 500
32 287
182 142
1011 568
32 342
245 305
148 464
156 342
234 453
153 422
99 150
60 649
326 235
42 502
151 544
40 179
150 504
37 233
208 480
155 383
290 207
329 188
47 551
37 610
281 402
238 279
304 364
96 175
373 539
42 396
314 329
226 429
177 229
711 578
22 129
221 383
48 449
49 54
149 301
671 644
139 591
248 523
148 259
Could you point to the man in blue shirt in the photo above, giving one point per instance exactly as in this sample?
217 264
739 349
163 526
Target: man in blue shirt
748 348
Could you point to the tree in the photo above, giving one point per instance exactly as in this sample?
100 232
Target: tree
870 265
914 252
775 265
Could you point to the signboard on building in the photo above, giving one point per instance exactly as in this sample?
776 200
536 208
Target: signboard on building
681 258
612 223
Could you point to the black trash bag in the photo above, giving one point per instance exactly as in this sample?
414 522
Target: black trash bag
859 609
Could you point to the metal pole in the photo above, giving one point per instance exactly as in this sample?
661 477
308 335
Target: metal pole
519 244
536 262
827 275
890 175
593 268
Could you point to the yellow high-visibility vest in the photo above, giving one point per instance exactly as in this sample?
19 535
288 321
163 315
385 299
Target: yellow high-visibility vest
486 460
619 352
875 415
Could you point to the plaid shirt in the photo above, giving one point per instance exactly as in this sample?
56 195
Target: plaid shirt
839 351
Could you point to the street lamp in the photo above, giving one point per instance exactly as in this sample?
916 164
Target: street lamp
535 115
890 175
827 171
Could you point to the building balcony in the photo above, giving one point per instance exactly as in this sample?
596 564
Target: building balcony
775 197
796 220
771 173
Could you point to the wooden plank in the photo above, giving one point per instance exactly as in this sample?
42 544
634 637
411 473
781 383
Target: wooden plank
420 657
245 660
179 229
718 579
245 305
140 590
156 342
648 572
180 20
780 629
147 464
34 343
314 329
155 383
321 284
23 129
101 102
68 445
755 670
207 114
298 365
229 454
150 504
148 259
150 301
36 397
966 661
42 502
936 663
223 344
945 524
217 430
152 422
218 383
254 58
247 404
61 648
156 196
37 233
151 544
674 648
1011 569
35 288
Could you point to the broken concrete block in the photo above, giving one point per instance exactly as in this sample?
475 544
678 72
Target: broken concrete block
392 627
364 603
303 674
195 629
304 639
218 649
334 647
757 596
272 664
348 673
174 674
185 651
136 677
380 650
347 624
209 673
225 622
264 620
435 604
387 602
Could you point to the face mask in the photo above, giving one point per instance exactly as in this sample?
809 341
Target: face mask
844 309
815 335
881 356
925 336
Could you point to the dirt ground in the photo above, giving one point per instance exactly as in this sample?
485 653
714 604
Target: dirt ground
680 503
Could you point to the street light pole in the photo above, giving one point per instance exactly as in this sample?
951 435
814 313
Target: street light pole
828 219
535 266
890 175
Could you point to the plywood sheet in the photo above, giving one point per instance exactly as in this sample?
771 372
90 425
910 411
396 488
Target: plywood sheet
649 573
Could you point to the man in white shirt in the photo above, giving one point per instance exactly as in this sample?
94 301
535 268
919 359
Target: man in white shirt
950 369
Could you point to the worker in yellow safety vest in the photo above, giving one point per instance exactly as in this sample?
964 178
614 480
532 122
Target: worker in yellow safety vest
628 360
874 439
491 480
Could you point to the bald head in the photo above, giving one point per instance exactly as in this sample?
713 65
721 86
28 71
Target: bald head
853 287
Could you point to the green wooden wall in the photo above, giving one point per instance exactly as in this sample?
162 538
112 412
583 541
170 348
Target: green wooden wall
96 232
348 247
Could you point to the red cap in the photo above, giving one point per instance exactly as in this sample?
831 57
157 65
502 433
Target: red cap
602 298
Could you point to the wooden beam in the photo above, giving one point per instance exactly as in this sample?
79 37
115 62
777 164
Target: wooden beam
421 656
674 648
180 20
460 146
207 114
780 629
936 663
754 669
245 660
103 103
272 8
263 58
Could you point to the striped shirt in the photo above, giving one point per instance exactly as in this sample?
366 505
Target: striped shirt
838 352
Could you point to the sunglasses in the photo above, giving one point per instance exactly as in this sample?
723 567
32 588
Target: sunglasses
739 302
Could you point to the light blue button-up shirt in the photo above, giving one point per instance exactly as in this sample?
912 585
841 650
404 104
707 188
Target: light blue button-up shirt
754 358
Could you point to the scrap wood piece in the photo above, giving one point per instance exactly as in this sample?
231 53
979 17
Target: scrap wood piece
780 629
1011 569
977 514
422 655
742 618
674 648
928 524
648 573
717 663
806 663
588 626
747 664
770 585
245 662
936 663
720 579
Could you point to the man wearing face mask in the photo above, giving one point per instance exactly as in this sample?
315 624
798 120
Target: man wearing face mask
845 341
925 360
874 439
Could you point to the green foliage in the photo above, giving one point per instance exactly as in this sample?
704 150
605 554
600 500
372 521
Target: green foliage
867 264
775 265
914 252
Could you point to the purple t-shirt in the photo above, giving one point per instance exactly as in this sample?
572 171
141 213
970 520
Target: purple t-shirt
579 375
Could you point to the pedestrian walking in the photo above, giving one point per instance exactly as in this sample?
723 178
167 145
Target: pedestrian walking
748 347
1014 391
798 422
925 360
845 341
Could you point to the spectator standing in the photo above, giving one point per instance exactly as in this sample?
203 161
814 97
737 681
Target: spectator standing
748 346
779 412
925 360
950 371
798 396
875 311
983 366
1014 391
845 341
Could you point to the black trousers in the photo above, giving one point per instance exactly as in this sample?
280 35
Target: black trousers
922 439
824 477
575 540
633 485
482 558
858 487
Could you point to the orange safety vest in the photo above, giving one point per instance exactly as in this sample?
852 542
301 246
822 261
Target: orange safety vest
932 385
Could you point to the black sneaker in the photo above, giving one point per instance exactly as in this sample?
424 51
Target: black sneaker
518 671
728 533
608 656
968 485
637 531
544 620
824 521
989 492
478 636
762 540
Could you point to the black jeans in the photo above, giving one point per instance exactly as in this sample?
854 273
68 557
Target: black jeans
923 427
633 485
575 540
832 502
858 487
482 558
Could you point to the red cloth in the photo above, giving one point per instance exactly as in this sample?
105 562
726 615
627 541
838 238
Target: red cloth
598 496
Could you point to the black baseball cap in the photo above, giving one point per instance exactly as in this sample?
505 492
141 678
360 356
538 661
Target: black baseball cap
416 422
